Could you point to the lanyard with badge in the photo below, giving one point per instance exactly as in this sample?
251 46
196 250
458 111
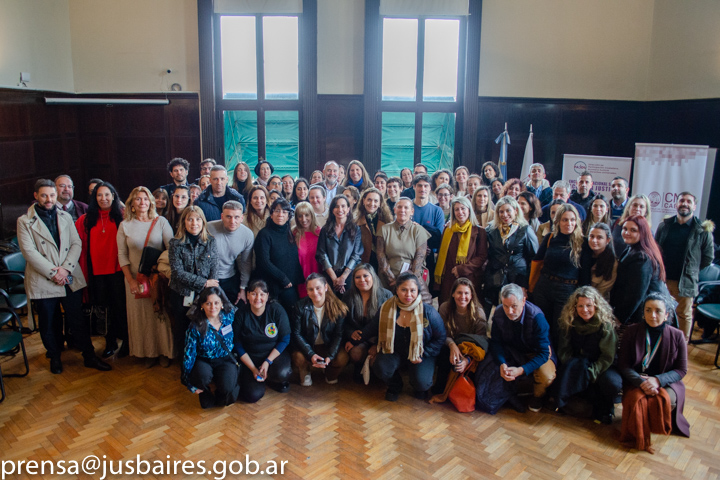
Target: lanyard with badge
189 299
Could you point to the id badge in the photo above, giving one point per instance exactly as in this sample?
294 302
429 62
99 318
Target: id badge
188 299
226 330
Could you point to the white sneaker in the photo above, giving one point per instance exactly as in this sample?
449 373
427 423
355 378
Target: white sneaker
330 382
307 381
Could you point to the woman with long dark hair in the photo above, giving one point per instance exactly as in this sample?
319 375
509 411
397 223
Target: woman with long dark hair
262 334
193 259
462 314
603 263
372 214
599 212
180 201
640 271
162 201
531 208
288 184
301 189
258 209
276 256
99 262
242 180
208 343
489 172
364 298
409 332
317 331
406 175
340 244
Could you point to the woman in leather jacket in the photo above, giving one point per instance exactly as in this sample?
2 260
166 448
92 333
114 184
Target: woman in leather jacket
512 245
317 332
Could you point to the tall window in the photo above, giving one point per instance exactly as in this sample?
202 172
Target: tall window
420 85
258 91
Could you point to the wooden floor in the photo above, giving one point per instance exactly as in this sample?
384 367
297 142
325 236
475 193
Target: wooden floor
342 431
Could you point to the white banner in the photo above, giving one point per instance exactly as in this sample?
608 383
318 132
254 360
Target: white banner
663 171
603 170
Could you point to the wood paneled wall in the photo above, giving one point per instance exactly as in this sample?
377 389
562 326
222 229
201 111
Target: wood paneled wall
131 145
127 145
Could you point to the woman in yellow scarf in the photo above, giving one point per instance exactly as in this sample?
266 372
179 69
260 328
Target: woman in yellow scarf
463 251
408 331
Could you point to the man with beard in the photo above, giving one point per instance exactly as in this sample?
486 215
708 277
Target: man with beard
687 247
584 195
65 197
619 191
51 246
178 169
331 172
211 201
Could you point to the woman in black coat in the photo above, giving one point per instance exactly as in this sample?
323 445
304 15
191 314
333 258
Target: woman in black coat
512 245
640 271
193 262
262 334
276 256
321 314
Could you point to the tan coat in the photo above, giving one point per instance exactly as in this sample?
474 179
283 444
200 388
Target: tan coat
43 256
368 241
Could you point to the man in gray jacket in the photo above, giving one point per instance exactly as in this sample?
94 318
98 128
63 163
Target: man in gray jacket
51 247
687 248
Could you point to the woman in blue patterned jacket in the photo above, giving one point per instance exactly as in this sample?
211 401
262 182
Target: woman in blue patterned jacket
208 347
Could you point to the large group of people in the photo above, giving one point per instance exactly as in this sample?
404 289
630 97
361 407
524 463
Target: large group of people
248 280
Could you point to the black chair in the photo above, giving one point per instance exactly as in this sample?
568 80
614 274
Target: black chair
13 276
11 342
707 302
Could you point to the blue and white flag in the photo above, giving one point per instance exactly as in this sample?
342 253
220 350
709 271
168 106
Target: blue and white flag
502 162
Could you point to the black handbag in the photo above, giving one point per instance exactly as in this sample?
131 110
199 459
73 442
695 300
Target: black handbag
150 255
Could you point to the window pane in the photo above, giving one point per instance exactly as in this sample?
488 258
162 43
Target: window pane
399 68
282 141
398 142
239 65
441 60
280 51
241 141
438 140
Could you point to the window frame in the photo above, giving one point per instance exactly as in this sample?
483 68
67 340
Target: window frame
419 105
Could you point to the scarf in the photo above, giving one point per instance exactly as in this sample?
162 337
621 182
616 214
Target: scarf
388 320
506 231
371 220
356 185
463 246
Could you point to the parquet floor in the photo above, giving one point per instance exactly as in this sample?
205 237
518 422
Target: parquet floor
324 432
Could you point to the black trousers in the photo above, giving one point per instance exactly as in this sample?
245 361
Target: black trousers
109 291
550 296
221 371
180 321
231 287
387 368
444 367
51 325
288 297
573 379
278 374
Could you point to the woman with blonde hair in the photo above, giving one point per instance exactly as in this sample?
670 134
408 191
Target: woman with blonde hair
637 205
483 206
586 351
150 335
357 176
306 233
512 245
461 178
560 262
463 251
193 259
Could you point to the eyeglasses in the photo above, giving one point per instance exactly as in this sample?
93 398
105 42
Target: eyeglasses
62 185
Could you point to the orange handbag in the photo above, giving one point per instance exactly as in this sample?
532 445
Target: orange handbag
462 394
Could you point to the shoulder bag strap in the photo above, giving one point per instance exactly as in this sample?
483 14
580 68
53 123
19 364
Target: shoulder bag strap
222 344
147 238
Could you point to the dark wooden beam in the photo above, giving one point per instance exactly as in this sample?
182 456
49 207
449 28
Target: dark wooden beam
372 137
468 156
208 132
308 88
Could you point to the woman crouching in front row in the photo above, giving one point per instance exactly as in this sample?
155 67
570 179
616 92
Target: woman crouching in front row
208 343
408 330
